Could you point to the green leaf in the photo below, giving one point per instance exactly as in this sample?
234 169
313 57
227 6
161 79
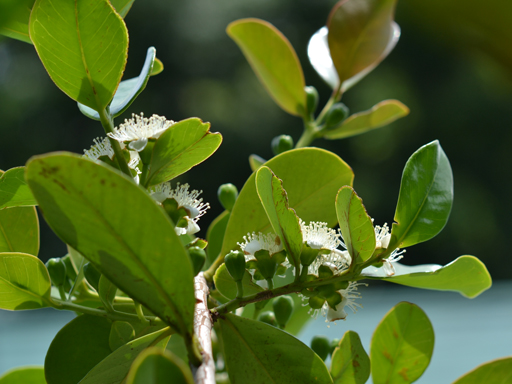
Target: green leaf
268 353
350 363
114 367
310 193
402 345
107 292
379 115
127 91
283 219
25 375
14 191
466 275
227 286
497 371
181 147
158 67
425 199
122 6
24 282
255 162
274 61
155 366
361 34
105 216
83 45
78 347
19 230
215 235
355 225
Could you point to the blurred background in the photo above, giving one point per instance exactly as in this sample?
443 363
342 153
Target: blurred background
452 67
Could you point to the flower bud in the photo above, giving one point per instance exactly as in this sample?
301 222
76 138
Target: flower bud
308 255
197 257
281 143
316 302
268 317
321 345
266 264
235 264
311 99
336 115
70 269
57 271
92 275
227 194
283 309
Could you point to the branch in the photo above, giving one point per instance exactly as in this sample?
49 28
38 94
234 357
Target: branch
203 325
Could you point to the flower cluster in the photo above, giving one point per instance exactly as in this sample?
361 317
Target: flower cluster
382 237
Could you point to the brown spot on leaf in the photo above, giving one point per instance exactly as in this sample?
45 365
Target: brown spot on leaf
388 356
403 373
395 334
355 363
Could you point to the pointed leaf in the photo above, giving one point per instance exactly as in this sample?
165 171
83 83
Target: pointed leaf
24 282
127 91
361 34
268 353
380 115
350 363
181 147
466 275
425 199
497 371
14 191
117 226
83 46
25 375
19 230
283 219
227 286
355 225
402 345
274 61
310 193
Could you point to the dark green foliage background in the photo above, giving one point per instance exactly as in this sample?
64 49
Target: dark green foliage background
457 92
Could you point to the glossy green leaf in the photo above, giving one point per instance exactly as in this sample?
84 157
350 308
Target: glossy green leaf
14 191
425 199
215 235
264 351
24 282
25 375
127 91
181 147
19 230
350 363
311 193
255 162
89 206
114 367
227 286
83 45
402 345
355 225
274 61
466 275
379 115
79 346
361 34
156 366
283 219
497 371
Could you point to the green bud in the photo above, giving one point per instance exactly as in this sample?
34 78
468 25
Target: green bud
121 333
197 257
308 255
57 271
70 269
325 290
339 285
92 275
268 317
311 99
227 194
197 242
283 309
306 292
316 302
235 264
336 115
266 265
321 345
334 345
281 143
334 299
325 271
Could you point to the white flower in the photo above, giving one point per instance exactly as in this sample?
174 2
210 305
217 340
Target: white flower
139 129
101 147
382 237
255 242
189 200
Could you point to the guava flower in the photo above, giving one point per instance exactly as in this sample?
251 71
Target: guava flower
139 129
189 200
255 242
382 237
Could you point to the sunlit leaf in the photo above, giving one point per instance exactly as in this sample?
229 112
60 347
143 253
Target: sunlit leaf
14 191
497 371
402 345
19 230
380 115
350 363
274 61
25 375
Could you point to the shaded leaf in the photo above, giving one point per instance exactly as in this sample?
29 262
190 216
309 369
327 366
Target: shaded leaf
497 371
260 353
274 61
19 230
380 115
402 345
25 375
215 235
350 363
227 286
14 191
